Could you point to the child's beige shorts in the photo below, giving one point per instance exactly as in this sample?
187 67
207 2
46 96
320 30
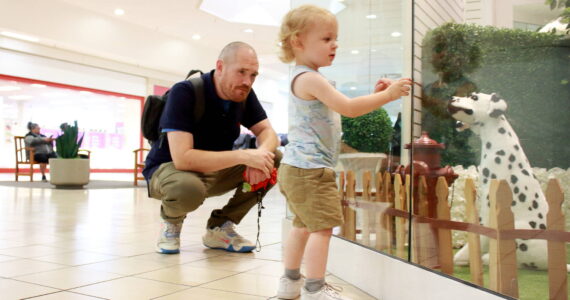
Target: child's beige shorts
312 196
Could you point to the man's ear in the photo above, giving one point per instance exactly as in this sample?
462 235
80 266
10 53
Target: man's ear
497 106
219 66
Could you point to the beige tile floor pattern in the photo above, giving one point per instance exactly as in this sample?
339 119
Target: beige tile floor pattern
99 244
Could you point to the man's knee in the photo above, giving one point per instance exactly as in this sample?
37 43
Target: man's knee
277 158
186 194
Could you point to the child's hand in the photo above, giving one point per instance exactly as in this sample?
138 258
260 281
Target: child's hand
399 88
382 84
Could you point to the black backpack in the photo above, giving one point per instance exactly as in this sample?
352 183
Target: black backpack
154 105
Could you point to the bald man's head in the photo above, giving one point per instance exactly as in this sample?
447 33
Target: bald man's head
228 53
236 70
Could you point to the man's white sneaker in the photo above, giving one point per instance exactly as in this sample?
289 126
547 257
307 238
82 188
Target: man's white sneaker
327 292
289 288
226 238
169 238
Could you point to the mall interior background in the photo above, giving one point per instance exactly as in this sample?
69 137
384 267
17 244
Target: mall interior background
66 60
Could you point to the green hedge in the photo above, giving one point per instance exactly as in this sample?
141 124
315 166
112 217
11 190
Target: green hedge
530 70
368 133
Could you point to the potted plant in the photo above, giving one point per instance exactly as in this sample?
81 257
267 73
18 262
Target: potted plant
68 170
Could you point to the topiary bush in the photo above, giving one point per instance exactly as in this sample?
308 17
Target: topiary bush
530 70
368 133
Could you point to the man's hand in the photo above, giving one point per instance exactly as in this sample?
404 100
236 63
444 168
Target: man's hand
254 176
261 160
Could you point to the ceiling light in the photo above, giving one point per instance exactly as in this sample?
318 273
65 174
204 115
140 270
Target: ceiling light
9 88
258 12
248 30
396 34
371 17
354 52
55 94
353 88
38 85
20 97
20 36
196 37
119 11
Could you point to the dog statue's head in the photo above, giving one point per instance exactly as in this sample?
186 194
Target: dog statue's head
476 109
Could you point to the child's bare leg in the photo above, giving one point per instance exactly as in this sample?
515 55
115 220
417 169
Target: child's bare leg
295 247
316 253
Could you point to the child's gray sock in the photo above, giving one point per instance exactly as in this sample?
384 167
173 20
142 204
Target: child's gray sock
293 274
312 285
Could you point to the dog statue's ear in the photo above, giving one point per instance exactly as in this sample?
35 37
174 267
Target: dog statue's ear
497 106
495 97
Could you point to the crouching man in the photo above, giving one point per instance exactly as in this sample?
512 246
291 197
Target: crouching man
196 161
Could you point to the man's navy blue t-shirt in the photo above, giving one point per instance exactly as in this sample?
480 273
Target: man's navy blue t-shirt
218 128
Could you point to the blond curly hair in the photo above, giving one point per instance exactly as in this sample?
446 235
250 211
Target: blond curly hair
296 22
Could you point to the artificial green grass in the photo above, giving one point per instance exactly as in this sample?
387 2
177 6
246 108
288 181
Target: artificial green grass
533 285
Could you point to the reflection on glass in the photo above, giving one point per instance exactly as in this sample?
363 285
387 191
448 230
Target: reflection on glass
490 95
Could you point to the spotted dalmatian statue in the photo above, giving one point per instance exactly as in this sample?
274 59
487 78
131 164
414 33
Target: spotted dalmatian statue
502 157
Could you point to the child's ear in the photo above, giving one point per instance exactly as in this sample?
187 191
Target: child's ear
296 42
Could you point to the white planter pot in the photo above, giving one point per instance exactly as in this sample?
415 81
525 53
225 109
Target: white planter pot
66 173
360 162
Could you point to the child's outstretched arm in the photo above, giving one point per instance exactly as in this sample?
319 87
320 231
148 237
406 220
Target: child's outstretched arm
311 85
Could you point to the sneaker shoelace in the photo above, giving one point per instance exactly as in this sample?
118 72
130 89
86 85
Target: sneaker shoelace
333 291
172 230
229 229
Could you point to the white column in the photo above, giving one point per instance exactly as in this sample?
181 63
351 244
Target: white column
407 112
498 13
503 13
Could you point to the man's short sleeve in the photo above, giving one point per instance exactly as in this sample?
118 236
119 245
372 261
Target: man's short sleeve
254 112
178 113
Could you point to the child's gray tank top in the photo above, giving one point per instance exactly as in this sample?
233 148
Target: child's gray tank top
314 131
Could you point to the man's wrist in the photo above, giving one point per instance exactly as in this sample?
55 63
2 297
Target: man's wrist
241 156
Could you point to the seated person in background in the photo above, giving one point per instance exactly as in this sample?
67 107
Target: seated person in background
43 147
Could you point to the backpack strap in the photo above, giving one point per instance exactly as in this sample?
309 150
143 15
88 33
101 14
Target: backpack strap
192 72
199 97
199 101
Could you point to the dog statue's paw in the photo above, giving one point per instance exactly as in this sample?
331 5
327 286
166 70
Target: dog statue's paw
461 258
485 259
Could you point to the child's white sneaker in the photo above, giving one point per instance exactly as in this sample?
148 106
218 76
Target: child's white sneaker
327 292
289 288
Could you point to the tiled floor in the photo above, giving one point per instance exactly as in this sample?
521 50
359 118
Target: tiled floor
99 244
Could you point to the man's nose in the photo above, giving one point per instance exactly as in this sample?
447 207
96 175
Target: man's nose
247 81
